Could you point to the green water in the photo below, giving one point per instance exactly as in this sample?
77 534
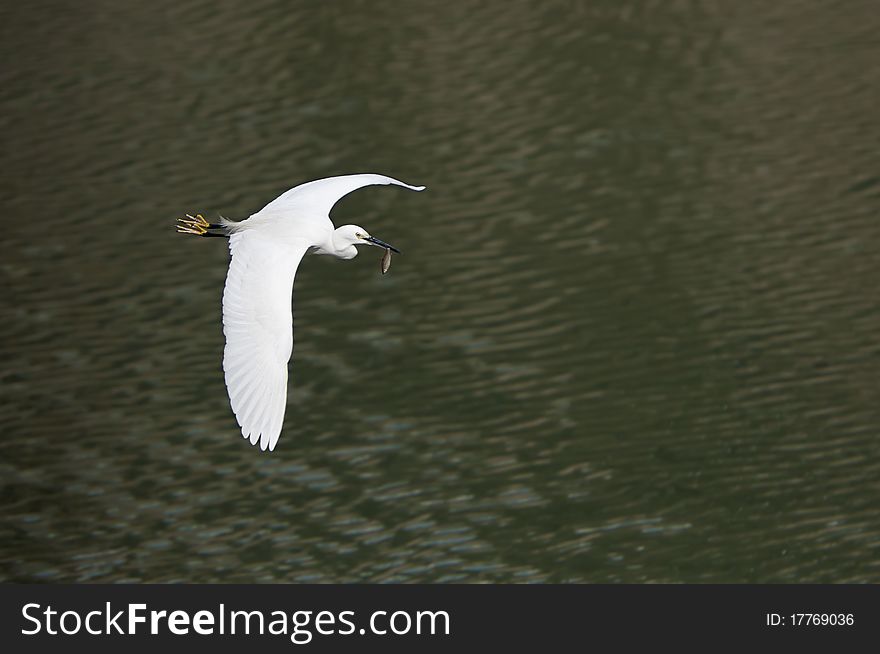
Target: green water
633 335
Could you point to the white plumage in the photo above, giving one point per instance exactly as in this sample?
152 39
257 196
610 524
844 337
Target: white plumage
257 317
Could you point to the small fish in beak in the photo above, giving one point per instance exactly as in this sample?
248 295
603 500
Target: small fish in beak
385 263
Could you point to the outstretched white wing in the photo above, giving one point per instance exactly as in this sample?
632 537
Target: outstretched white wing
318 197
258 324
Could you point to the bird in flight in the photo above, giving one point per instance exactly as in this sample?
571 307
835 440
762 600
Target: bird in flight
257 316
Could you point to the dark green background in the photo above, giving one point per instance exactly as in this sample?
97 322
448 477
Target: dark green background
634 334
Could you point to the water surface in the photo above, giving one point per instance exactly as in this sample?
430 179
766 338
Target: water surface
633 335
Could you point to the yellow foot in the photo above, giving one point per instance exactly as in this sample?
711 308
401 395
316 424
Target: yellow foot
195 225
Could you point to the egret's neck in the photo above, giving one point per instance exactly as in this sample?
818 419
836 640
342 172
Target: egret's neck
338 246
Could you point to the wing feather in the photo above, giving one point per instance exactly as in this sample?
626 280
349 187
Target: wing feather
318 197
258 325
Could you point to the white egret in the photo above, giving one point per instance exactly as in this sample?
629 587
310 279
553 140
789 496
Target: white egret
257 317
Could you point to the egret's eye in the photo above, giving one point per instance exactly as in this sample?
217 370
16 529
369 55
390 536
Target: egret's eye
359 235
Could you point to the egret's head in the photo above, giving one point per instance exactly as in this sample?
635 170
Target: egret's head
351 235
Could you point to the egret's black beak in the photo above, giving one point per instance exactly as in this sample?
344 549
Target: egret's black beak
381 244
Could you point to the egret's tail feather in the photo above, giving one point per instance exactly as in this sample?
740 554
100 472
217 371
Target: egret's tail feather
198 226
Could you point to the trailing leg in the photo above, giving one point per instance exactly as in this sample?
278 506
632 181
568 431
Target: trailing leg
198 226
